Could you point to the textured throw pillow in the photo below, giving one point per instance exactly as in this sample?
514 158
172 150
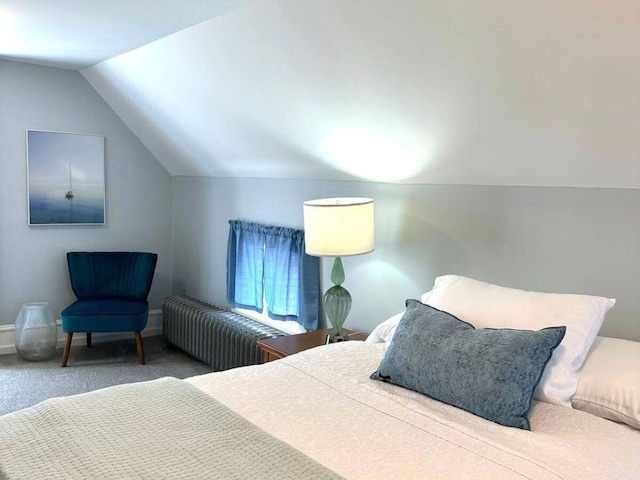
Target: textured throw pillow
609 384
490 373
490 306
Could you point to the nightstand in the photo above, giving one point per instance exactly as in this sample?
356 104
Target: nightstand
280 347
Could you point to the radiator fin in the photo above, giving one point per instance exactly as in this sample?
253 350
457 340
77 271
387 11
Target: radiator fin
221 338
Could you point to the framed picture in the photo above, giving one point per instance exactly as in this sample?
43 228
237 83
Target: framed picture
65 178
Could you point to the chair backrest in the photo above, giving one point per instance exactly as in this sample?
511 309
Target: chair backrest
111 274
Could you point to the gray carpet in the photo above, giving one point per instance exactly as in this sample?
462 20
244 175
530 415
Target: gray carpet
24 383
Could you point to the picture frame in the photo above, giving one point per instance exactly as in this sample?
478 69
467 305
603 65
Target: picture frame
65 178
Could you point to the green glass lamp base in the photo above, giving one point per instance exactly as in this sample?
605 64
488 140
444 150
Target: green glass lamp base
337 301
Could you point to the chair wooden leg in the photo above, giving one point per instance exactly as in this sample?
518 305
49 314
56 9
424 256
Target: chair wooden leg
88 339
67 349
139 347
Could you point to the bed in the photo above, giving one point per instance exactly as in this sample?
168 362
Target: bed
319 414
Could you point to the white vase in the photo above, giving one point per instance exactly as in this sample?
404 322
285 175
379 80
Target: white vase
36 332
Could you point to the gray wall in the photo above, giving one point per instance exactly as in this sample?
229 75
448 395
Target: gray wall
32 259
549 239
572 240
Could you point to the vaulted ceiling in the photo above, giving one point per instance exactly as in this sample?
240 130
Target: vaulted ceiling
75 33
439 91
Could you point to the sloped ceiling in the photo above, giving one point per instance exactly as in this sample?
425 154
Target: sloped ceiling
74 34
459 92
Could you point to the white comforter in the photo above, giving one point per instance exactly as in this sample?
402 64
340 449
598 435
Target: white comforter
323 403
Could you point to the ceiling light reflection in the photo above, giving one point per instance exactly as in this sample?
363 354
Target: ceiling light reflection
375 156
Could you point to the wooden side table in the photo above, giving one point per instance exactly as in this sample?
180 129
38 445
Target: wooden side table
280 347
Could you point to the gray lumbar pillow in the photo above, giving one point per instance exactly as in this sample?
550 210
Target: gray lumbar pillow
489 372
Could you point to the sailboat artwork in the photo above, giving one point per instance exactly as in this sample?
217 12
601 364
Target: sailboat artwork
69 194
65 178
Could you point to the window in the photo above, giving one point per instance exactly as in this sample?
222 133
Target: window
267 262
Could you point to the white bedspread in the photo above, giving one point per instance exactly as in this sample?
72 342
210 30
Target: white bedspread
323 403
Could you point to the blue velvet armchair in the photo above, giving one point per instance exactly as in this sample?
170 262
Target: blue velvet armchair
111 290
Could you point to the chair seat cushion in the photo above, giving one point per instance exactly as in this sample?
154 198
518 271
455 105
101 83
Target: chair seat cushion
105 315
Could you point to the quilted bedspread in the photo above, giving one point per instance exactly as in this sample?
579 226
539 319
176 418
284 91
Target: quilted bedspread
329 419
364 429
163 429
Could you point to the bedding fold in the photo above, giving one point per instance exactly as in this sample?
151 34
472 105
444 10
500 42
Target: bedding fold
162 429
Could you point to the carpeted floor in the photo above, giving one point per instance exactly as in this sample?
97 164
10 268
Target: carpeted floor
24 383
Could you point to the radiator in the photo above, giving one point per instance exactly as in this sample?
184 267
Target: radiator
221 338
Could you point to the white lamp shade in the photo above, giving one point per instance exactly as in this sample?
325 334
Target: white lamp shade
338 227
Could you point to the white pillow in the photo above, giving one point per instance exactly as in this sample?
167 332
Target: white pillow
609 384
490 306
383 333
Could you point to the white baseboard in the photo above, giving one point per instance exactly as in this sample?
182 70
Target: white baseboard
154 327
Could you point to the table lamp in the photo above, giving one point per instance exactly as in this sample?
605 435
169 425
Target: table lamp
338 227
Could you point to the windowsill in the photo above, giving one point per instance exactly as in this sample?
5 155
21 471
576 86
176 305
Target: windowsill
290 328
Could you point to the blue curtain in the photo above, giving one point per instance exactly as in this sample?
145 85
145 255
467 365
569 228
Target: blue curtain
245 251
262 258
